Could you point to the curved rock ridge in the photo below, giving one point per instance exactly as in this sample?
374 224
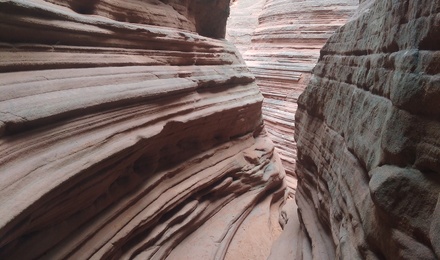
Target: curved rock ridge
207 18
123 140
368 136
283 50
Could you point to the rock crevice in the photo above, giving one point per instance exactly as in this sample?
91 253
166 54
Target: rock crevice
281 41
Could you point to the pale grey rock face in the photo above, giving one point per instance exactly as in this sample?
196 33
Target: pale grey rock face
368 136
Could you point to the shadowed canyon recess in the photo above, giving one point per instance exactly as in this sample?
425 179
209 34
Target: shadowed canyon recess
136 129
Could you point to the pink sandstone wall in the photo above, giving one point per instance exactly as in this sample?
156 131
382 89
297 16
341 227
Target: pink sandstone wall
127 134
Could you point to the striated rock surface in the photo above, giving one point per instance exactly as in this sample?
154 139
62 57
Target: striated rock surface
284 48
368 136
124 134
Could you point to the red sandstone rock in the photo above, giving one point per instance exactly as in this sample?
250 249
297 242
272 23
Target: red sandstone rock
368 136
284 49
127 135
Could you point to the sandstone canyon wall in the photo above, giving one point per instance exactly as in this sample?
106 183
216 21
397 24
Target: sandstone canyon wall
368 136
281 53
127 134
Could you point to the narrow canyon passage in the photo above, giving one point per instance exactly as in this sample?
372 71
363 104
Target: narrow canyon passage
162 129
280 41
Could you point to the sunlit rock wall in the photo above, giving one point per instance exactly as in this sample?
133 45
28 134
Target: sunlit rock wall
242 22
368 136
124 134
284 48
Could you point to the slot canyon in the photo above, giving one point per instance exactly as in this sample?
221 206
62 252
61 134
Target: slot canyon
220 129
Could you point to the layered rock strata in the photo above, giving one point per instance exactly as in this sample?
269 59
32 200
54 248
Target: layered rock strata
368 136
127 135
283 50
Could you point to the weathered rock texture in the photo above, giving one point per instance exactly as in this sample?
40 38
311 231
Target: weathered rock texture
242 22
124 134
284 48
368 136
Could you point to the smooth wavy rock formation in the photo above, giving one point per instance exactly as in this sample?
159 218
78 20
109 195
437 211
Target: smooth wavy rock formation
124 134
283 50
368 136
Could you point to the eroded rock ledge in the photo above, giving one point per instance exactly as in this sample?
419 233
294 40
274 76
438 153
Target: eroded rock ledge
125 134
368 135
